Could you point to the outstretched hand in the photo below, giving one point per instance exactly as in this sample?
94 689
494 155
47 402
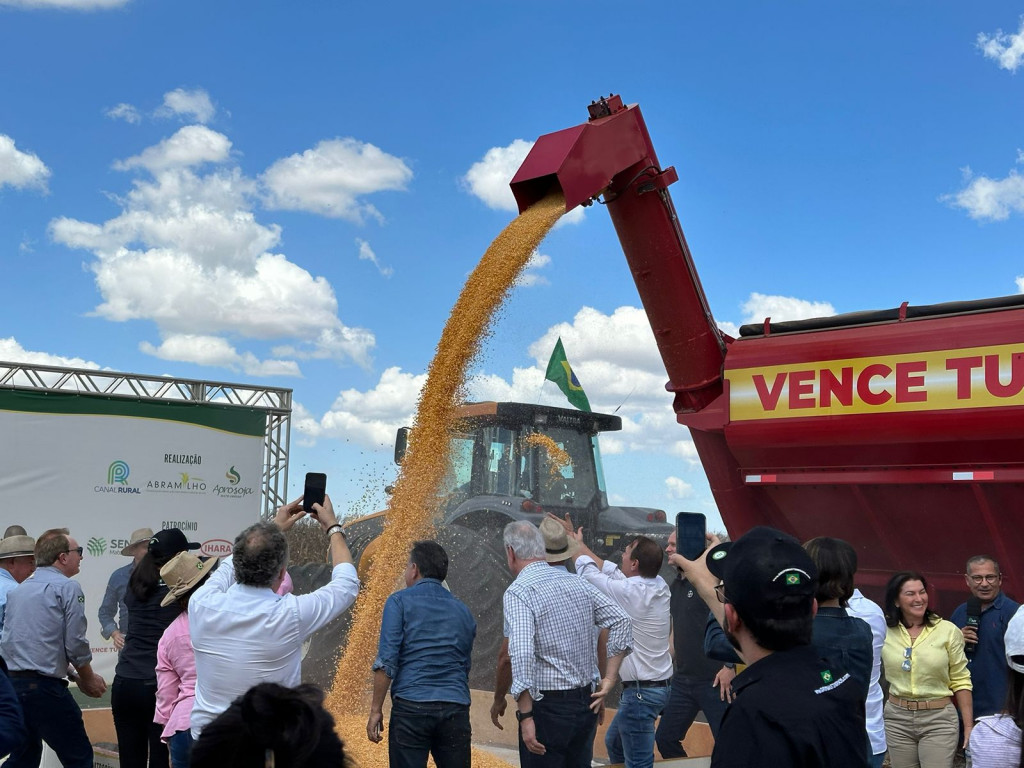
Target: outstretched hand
289 514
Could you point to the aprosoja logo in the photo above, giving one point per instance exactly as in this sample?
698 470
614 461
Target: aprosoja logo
233 477
117 473
96 546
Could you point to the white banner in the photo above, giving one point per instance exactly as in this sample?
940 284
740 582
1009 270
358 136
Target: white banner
104 467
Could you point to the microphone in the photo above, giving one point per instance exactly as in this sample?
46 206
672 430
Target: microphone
973 620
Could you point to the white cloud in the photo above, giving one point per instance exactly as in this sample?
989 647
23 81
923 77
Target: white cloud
1006 50
366 253
190 146
331 179
372 418
193 105
21 169
217 351
187 253
677 488
530 275
783 308
994 199
125 112
489 179
67 5
12 352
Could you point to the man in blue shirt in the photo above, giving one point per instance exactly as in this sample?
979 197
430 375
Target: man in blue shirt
17 563
426 638
987 661
113 613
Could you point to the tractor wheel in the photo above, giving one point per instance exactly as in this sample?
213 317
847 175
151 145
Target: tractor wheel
478 575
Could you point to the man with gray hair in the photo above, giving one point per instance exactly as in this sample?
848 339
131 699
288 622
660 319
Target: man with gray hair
550 617
243 633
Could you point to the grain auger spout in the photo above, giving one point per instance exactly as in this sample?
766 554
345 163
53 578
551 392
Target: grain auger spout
611 156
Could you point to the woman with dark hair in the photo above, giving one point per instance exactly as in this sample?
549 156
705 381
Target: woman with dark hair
133 693
996 739
926 669
271 726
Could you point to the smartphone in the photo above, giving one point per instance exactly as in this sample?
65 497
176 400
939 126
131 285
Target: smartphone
691 529
316 487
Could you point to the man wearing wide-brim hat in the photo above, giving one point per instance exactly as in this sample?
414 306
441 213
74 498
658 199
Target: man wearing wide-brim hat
17 563
113 613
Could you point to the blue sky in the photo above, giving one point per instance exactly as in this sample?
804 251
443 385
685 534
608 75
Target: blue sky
294 193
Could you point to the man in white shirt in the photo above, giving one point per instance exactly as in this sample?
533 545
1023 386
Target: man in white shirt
862 608
243 632
646 673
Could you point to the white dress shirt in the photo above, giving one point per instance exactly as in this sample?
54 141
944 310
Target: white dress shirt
863 608
647 603
246 635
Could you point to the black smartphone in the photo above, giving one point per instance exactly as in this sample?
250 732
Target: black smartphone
691 532
316 487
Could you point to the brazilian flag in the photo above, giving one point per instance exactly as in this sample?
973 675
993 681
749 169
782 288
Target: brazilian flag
560 372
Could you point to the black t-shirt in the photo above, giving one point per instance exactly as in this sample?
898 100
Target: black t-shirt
793 709
689 616
147 623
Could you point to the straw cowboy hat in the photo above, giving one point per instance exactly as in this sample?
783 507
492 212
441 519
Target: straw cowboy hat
557 544
139 536
182 572
17 546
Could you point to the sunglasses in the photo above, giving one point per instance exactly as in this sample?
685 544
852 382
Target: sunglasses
907 659
79 550
720 593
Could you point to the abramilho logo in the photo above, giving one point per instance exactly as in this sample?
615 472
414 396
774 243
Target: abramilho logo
185 484
215 548
96 546
117 479
233 477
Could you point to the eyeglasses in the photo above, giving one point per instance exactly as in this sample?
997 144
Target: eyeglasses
79 550
720 593
988 578
908 652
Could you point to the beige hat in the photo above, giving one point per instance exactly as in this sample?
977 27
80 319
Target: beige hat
17 546
557 544
138 536
182 572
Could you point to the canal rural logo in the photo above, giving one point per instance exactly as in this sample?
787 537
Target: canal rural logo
96 546
117 479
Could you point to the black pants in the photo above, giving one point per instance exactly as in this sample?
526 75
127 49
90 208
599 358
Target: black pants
440 728
566 728
133 703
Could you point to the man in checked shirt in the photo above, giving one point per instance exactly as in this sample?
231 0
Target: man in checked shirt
549 619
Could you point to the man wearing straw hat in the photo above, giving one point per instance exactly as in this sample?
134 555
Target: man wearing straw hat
113 613
17 563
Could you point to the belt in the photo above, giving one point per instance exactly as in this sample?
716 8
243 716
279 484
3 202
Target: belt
571 693
649 683
916 704
24 673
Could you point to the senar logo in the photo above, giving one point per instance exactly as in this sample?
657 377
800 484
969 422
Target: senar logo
233 477
117 472
96 546
216 548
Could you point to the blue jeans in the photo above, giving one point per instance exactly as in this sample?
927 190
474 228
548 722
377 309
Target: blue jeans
51 715
630 737
180 747
419 728
566 727
689 696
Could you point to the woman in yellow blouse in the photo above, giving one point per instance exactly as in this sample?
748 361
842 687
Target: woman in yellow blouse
926 669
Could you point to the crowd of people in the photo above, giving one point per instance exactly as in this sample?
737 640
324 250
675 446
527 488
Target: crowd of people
769 638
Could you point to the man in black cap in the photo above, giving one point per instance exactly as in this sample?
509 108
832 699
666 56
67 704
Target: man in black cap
791 707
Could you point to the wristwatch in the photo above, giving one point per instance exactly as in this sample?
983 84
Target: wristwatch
520 716
336 529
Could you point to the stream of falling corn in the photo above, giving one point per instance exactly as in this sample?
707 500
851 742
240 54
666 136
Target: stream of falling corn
412 505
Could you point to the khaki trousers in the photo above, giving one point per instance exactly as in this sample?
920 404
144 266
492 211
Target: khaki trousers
922 739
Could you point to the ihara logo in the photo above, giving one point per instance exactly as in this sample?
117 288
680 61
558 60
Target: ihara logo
118 472
233 477
96 546
216 548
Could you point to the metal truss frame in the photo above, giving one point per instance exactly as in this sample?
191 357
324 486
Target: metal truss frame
276 403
